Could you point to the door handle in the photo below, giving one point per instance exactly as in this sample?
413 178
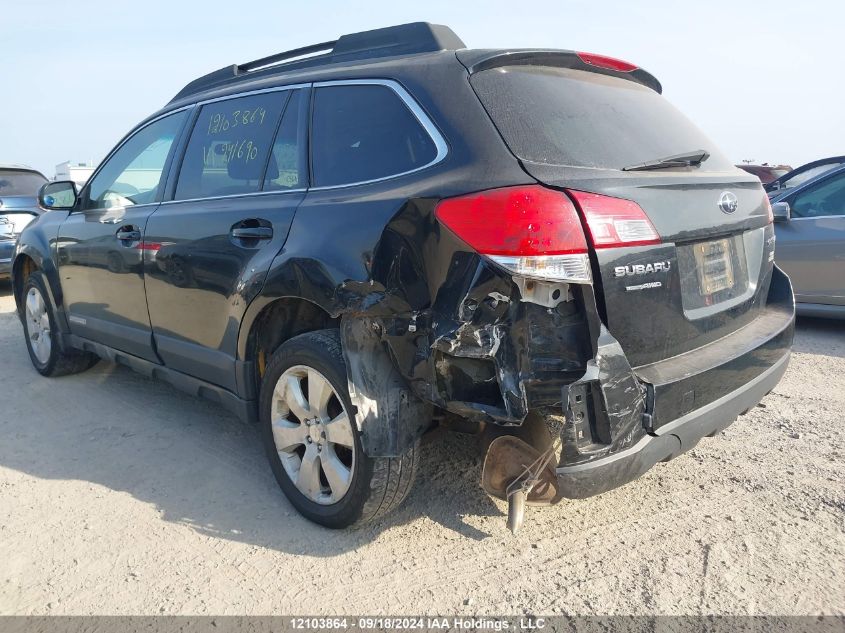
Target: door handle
128 233
253 233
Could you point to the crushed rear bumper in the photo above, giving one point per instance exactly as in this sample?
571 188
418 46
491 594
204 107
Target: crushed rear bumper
592 478
668 406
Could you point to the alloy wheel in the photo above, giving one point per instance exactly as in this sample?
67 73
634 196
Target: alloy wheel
312 432
38 325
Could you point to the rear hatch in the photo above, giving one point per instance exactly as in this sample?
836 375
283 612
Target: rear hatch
16 212
18 199
707 274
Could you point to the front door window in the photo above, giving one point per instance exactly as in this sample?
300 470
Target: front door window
132 174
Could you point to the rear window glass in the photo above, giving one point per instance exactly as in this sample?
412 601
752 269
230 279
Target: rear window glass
15 182
365 132
561 116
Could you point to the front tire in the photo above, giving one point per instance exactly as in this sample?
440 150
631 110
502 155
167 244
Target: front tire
42 335
313 443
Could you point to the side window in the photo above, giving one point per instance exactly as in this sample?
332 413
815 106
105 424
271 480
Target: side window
287 169
804 176
826 198
229 146
364 132
133 173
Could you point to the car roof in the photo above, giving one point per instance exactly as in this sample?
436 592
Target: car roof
19 167
382 52
416 38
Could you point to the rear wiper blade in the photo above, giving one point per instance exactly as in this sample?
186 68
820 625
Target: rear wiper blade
687 159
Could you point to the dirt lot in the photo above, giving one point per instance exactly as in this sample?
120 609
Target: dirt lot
120 495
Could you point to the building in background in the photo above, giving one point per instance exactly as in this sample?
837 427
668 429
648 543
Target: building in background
77 172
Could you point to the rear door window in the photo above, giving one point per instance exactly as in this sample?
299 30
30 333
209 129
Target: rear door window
288 168
365 132
230 146
561 116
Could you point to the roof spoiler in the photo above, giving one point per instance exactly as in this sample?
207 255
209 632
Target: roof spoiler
404 39
479 60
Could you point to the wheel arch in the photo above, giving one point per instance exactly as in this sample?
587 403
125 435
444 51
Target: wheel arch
28 260
271 322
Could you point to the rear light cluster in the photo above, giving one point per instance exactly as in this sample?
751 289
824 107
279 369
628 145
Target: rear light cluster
537 232
615 221
769 213
531 231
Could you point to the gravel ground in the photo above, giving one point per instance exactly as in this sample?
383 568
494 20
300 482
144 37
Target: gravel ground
120 495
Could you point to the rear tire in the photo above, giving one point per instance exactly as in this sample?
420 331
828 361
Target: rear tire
42 335
339 486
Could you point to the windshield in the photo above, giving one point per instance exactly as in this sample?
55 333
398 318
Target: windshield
17 182
562 116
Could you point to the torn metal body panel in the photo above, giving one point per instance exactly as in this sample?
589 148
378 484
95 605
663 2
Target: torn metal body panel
388 415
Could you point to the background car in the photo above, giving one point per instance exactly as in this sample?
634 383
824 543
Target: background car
810 231
803 174
18 207
765 172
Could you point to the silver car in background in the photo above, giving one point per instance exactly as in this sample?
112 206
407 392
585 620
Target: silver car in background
19 187
810 231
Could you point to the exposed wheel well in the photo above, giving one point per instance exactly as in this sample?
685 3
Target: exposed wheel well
23 267
279 321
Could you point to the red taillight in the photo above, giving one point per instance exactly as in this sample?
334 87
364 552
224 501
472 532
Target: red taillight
530 230
528 220
610 63
769 213
615 221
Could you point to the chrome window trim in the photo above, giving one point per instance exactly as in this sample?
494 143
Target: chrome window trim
237 195
410 103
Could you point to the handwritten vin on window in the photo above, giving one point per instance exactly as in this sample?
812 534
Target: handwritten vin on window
222 122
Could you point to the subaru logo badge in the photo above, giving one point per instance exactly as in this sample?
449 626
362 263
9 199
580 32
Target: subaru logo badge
728 202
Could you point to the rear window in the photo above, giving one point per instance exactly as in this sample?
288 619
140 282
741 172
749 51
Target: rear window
16 182
561 116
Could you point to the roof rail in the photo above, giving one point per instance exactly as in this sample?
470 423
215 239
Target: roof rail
404 39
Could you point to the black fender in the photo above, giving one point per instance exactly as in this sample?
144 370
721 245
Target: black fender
38 242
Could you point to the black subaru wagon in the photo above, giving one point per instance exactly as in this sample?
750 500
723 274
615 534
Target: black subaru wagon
354 242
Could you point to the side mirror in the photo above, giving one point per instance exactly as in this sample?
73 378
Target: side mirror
781 212
59 195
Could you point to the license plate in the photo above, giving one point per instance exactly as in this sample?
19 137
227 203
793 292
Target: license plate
714 262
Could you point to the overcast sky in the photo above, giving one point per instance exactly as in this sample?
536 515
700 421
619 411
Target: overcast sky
764 80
